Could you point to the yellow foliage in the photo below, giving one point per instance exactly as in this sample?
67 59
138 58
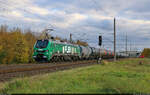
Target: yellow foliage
146 52
15 46
30 38
81 43
57 38
1 47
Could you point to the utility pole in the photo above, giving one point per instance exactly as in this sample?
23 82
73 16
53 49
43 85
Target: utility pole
130 45
70 38
126 43
114 39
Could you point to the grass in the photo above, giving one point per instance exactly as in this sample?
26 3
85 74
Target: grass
126 76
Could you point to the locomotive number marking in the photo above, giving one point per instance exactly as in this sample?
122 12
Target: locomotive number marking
67 49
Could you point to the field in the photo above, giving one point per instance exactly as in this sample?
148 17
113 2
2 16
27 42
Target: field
125 76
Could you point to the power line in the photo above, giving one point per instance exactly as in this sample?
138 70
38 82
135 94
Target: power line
96 7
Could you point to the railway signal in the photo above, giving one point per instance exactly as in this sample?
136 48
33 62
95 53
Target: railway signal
100 40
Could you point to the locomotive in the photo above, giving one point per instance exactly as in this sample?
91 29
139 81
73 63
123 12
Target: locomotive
50 50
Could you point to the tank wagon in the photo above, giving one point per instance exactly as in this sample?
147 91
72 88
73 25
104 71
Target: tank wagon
50 50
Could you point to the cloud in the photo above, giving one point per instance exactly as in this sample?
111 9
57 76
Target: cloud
64 20
38 10
16 14
80 17
31 20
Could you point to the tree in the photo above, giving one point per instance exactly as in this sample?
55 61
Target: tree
57 38
81 43
20 46
5 44
31 39
146 52
13 46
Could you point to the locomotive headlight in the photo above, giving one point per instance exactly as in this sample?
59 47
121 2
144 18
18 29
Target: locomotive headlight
34 56
44 56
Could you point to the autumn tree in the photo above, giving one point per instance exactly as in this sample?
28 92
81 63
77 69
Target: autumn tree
57 38
15 46
5 44
146 52
81 43
31 39
20 46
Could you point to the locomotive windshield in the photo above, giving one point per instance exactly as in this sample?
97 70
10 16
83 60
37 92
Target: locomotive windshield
41 43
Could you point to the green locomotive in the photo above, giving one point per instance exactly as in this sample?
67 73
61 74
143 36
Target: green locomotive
49 50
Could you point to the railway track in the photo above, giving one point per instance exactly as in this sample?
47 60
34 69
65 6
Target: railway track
8 73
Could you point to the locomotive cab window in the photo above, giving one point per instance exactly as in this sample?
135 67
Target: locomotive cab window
41 43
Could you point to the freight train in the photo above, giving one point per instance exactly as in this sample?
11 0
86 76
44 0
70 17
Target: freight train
50 50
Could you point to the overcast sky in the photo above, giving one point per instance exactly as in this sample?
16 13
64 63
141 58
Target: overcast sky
85 19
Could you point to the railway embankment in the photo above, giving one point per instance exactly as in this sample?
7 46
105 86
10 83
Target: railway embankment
124 76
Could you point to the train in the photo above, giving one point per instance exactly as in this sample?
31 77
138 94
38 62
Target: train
49 50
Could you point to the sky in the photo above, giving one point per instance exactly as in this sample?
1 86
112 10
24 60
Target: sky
84 19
